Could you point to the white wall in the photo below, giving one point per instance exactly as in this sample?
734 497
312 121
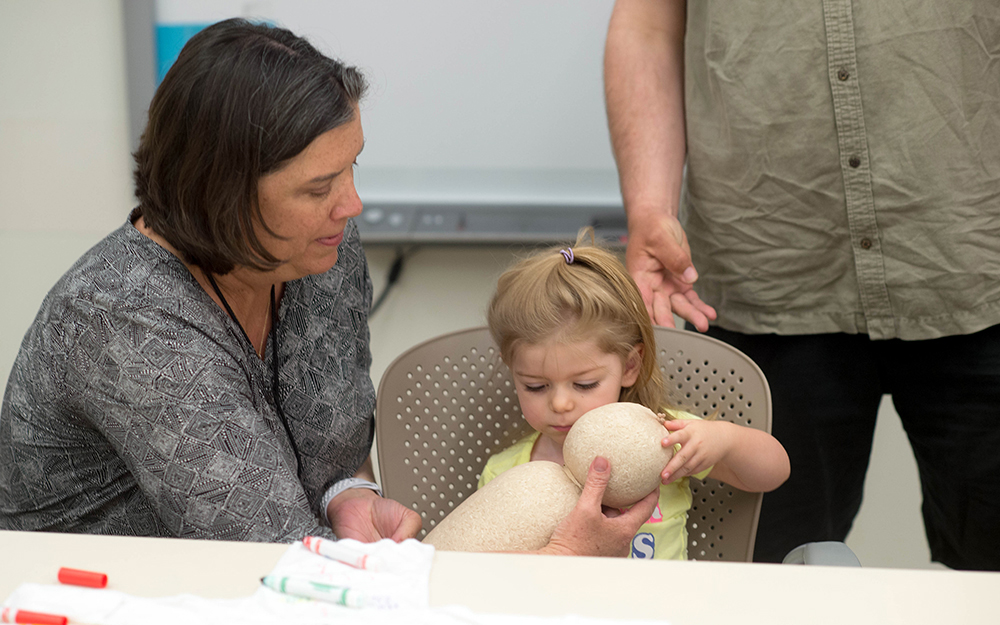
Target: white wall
64 161
65 181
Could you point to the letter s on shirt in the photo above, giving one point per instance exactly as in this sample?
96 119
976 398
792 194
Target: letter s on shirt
643 546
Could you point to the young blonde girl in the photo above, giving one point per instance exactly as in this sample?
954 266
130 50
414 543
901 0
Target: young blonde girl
572 327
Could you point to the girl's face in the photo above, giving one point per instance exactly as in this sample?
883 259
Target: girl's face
558 382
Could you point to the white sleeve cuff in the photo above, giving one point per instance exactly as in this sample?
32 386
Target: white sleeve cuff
341 486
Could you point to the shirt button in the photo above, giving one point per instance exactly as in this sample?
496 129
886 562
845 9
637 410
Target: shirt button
854 162
866 244
843 74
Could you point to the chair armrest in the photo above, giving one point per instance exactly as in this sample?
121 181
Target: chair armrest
827 553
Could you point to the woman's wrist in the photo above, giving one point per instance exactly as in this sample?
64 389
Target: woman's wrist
344 485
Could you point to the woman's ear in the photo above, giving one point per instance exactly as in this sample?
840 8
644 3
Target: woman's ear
633 364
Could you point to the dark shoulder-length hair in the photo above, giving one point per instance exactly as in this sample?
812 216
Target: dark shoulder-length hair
240 100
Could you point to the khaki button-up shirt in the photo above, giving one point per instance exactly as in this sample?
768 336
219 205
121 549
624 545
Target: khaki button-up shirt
844 165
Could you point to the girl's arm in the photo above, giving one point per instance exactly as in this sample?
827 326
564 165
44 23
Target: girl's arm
748 459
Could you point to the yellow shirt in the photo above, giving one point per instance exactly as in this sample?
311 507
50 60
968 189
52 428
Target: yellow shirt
663 536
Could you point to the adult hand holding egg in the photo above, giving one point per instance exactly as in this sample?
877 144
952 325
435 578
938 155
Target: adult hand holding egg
591 531
538 506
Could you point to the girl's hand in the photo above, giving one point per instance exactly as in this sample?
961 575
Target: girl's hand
703 445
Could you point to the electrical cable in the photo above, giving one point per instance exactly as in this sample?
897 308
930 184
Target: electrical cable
395 269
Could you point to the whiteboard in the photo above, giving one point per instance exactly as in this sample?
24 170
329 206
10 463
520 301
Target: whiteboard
471 101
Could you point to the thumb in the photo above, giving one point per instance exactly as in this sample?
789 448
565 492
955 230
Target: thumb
597 481
660 245
676 256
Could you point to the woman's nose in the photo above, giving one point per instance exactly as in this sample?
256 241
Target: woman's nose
349 205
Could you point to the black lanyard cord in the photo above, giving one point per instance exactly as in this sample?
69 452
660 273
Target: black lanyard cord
274 364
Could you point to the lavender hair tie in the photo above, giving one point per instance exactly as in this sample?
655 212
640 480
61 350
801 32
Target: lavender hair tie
567 254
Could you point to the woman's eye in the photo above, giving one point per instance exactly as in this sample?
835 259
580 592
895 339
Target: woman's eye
320 194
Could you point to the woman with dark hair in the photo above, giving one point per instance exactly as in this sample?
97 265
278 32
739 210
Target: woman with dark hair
204 370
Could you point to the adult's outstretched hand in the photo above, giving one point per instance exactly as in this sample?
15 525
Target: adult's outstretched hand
659 259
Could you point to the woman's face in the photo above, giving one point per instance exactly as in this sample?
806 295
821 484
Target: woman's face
309 200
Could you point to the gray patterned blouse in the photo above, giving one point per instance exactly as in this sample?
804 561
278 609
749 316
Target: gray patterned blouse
136 406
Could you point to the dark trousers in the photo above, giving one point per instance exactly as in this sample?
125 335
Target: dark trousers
826 390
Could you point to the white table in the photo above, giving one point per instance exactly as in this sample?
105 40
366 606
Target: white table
685 593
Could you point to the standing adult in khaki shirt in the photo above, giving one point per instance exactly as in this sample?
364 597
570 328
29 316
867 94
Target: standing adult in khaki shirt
841 204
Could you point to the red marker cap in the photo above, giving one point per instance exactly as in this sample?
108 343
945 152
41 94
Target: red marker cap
39 618
77 577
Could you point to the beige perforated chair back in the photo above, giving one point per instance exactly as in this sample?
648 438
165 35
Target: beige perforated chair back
446 405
